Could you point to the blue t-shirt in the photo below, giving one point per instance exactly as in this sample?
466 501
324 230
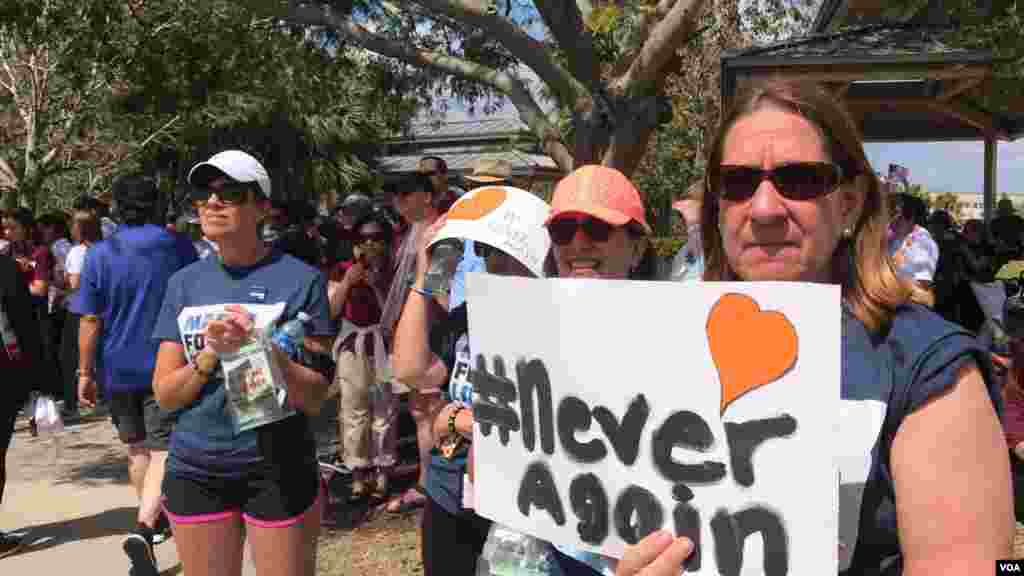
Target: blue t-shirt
123 282
204 442
884 378
470 263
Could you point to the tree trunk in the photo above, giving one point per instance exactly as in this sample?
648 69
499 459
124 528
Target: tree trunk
28 178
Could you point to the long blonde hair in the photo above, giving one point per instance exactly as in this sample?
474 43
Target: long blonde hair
860 264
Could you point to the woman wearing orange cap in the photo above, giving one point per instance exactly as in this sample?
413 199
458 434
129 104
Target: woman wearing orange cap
598 229
598 226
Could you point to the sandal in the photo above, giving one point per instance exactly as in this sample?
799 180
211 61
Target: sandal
380 485
411 499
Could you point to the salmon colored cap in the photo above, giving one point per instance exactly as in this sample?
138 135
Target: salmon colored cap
601 192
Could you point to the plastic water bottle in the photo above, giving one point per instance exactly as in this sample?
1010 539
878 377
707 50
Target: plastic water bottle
289 337
510 553
444 258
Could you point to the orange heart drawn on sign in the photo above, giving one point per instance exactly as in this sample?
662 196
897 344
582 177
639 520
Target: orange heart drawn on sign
480 204
750 347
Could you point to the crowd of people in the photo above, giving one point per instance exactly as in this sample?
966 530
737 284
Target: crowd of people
143 317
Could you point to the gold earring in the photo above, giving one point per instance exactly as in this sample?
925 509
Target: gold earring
847 233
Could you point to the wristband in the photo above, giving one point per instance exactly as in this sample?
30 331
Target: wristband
451 419
421 291
205 363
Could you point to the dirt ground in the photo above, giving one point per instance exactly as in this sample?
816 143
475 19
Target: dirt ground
375 542
368 541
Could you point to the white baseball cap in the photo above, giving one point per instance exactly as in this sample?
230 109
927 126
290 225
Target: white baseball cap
235 164
509 219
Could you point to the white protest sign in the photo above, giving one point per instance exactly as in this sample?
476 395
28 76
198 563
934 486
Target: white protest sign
608 409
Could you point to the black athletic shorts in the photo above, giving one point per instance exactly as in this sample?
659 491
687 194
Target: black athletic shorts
139 419
272 498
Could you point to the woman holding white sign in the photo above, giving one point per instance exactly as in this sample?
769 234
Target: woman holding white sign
925 482
221 473
431 345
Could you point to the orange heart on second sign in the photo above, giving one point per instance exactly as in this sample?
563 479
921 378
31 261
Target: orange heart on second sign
750 347
479 204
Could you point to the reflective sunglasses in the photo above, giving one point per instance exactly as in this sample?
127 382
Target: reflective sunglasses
230 194
797 181
563 230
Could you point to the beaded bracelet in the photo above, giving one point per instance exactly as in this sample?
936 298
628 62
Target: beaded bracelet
451 419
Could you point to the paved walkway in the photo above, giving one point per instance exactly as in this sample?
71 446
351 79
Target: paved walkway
76 505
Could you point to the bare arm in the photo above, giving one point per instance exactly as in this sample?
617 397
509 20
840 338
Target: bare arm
307 388
89 330
952 482
74 281
318 344
412 359
337 295
39 288
176 383
413 362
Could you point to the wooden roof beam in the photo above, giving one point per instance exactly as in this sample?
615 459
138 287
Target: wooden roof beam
957 88
981 121
835 74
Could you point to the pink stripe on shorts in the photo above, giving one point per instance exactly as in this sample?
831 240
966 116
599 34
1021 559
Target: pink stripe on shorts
287 521
201 518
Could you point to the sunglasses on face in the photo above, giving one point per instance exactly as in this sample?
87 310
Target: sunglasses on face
797 181
230 194
563 230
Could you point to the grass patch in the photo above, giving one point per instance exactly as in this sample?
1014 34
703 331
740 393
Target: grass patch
384 545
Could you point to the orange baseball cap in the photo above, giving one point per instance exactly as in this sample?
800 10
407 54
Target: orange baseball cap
601 192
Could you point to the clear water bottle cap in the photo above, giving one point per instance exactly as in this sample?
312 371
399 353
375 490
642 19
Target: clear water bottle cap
303 317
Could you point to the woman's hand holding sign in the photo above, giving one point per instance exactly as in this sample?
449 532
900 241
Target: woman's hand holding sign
659 554
228 333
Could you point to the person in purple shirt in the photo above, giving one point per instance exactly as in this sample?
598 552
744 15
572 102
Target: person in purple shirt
122 287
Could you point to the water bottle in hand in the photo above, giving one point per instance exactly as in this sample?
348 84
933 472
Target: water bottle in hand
289 336
444 258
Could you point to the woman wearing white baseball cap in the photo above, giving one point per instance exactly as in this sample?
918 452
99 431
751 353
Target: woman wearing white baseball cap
219 475
506 226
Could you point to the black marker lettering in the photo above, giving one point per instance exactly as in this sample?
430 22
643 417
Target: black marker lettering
687 520
625 437
745 437
590 504
538 489
682 493
496 393
732 531
461 370
687 430
533 376
637 504
573 415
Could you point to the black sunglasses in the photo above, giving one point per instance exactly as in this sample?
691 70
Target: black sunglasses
563 230
230 194
797 181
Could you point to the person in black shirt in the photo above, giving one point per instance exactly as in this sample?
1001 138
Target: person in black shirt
20 353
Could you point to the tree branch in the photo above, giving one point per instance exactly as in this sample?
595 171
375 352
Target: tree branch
527 49
565 20
665 38
528 109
